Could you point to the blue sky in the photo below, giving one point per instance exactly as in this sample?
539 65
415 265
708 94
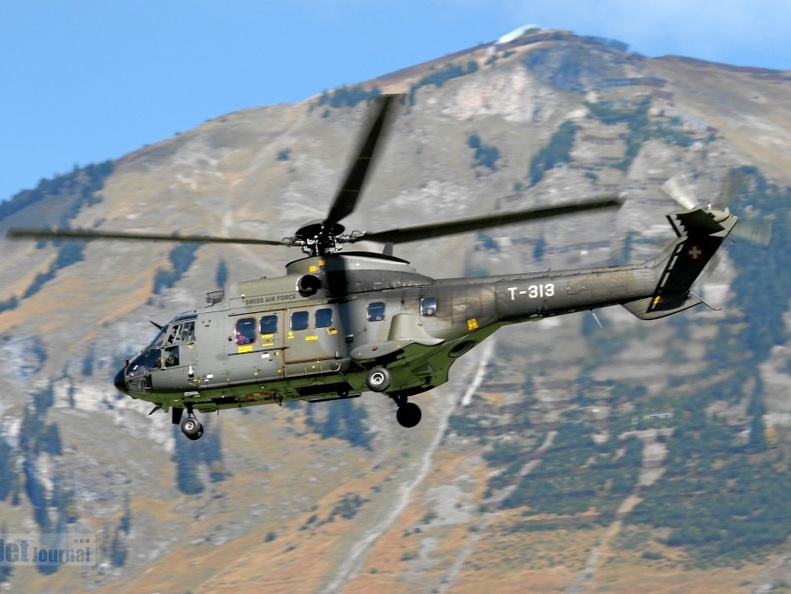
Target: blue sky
88 80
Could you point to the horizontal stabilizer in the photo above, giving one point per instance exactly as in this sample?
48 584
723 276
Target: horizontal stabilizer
653 308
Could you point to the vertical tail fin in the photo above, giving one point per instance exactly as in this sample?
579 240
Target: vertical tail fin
700 234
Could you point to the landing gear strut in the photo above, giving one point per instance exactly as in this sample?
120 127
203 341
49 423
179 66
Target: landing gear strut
408 413
190 426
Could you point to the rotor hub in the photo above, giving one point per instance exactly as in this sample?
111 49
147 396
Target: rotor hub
317 237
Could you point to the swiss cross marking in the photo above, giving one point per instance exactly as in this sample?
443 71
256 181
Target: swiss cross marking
694 252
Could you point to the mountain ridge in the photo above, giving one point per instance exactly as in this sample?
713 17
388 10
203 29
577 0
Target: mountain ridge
271 496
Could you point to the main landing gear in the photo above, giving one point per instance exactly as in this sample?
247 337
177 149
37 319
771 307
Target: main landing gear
190 426
408 413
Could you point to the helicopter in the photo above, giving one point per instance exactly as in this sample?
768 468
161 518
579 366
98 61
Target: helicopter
339 324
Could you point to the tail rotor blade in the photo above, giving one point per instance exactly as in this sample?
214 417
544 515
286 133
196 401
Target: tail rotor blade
757 232
678 188
729 189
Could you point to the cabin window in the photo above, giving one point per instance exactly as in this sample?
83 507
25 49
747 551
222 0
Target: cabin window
245 331
268 325
428 306
323 318
376 311
299 320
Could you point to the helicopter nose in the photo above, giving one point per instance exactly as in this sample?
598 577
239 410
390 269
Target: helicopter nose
120 380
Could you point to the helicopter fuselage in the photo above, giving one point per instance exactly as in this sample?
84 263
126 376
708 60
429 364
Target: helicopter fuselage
337 325
319 331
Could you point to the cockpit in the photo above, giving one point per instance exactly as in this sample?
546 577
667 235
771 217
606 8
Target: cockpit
170 338
165 351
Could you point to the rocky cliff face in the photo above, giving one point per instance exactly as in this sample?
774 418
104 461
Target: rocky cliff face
549 434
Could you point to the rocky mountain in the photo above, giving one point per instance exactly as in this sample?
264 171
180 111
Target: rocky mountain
561 456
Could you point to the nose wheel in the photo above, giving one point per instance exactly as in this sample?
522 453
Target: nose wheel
378 379
191 427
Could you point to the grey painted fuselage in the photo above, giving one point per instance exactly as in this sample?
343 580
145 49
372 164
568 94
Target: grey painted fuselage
317 331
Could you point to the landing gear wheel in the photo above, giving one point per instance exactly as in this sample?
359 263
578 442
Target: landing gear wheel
378 379
191 427
408 414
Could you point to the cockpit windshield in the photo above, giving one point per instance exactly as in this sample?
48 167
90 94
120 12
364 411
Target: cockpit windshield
147 360
179 331
164 349
159 338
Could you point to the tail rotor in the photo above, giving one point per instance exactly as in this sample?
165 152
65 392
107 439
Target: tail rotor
679 189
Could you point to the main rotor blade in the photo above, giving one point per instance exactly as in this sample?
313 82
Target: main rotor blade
347 196
88 234
406 234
